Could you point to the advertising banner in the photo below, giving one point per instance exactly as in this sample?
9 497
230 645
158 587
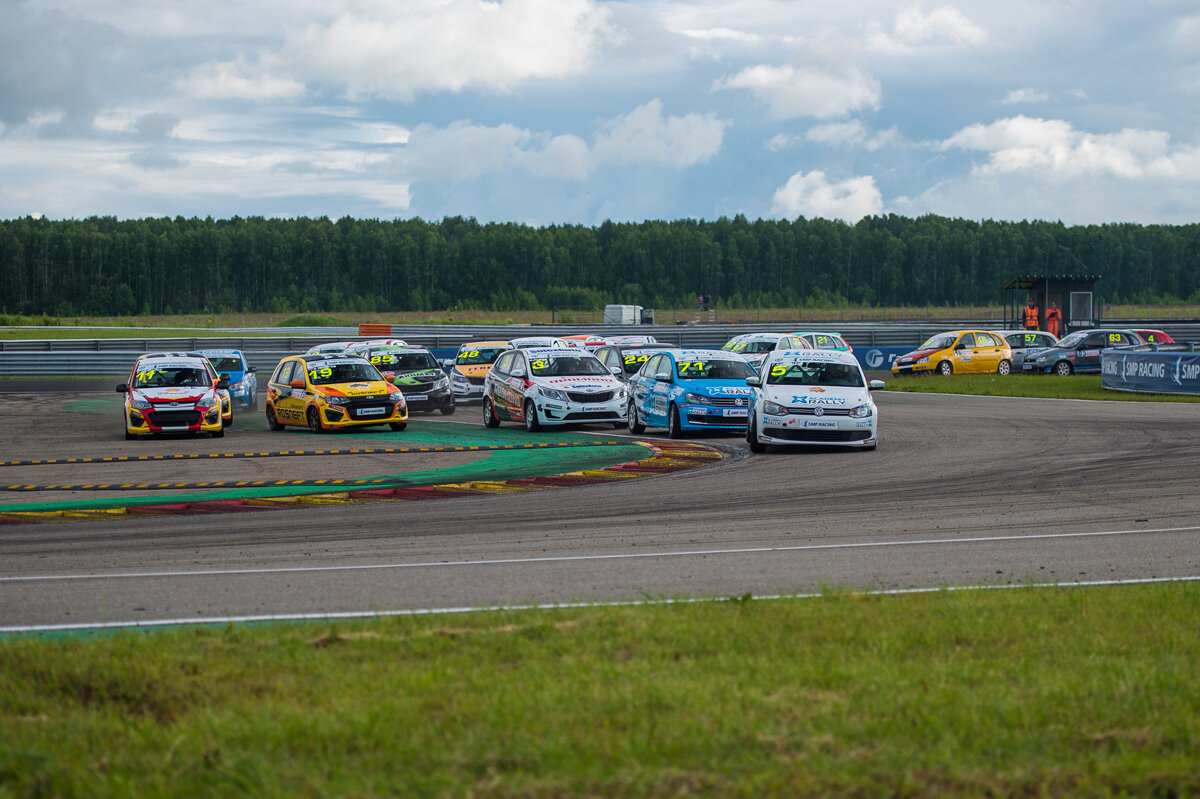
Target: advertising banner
1158 372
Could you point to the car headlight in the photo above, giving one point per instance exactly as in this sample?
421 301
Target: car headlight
553 393
140 404
238 386
861 411
338 400
621 393
695 399
774 408
442 383
1040 359
923 360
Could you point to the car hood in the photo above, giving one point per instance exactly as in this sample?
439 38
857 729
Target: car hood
717 388
580 382
916 355
417 378
824 396
364 388
173 394
473 369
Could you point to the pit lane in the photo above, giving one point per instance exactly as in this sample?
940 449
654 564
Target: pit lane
962 491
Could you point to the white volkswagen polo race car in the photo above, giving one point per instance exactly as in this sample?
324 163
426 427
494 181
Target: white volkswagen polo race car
552 386
818 397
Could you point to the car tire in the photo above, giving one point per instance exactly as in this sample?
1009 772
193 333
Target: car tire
1005 367
1063 368
633 422
314 421
130 436
752 436
489 414
945 368
448 411
218 433
398 426
227 423
273 424
532 424
674 426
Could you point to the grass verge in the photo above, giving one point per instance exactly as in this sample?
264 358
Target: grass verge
1030 692
1050 386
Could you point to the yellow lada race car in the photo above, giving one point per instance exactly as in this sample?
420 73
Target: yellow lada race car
324 392
957 352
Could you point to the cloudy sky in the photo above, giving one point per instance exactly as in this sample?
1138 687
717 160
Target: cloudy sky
578 111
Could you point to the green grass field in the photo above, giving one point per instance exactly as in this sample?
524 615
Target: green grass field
1072 387
1079 692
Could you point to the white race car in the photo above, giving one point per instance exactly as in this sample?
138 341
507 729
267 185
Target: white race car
552 386
818 397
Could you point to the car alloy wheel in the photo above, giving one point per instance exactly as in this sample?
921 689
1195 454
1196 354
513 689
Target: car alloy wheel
674 427
272 422
752 437
314 421
1005 367
945 368
531 418
1062 368
489 414
635 424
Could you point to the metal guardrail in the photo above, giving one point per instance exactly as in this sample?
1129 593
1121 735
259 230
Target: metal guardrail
32 357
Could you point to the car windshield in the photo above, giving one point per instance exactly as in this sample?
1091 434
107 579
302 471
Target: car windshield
1073 339
549 366
323 373
821 341
815 373
479 355
158 376
632 360
750 346
403 361
227 364
714 369
939 342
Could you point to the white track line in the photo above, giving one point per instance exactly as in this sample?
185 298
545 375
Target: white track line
372 614
580 558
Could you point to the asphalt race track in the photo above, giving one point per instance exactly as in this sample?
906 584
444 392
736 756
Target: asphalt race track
962 491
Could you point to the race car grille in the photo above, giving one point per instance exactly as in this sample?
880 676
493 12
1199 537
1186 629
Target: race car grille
579 396
174 418
356 411
788 434
717 421
824 411
475 381
727 402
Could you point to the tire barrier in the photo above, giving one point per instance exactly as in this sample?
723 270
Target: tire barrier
664 458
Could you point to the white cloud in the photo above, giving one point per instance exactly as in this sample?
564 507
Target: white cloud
644 135
240 80
1053 148
792 92
850 134
400 50
1021 96
812 195
945 25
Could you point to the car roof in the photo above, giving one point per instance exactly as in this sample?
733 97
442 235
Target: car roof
171 357
707 352
828 356
816 333
483 344
558 352
760 336
314 357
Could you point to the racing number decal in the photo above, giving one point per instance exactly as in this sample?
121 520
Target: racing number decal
537 364
324 371
378 359
1114 338
636 358
688 366
778 370
471 354
143 377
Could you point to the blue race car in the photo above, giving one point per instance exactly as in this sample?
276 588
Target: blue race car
243 383
691 390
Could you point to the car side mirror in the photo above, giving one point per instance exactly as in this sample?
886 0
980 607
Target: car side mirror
616 370
875 385
222 384
389 377
517 372
122 389
297 384
754 381
224 377
251 370
663 377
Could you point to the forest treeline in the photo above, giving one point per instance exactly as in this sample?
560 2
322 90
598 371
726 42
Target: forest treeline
106 266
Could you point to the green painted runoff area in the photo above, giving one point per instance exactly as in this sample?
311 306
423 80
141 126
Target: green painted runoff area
495 466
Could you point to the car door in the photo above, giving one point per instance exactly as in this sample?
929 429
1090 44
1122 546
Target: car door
1087 355
640 383
288 401
659 395
497 389
988 352
964 354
